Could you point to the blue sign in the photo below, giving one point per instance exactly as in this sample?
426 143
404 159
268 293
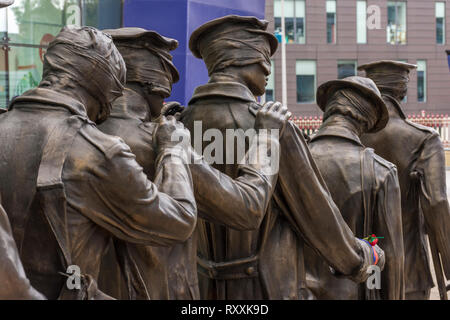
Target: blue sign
178 19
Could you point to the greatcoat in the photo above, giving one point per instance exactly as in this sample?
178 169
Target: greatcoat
67 188
15 285
171 272
366 190
267 263
418 153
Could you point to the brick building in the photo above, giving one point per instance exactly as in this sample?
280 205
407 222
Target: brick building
329 39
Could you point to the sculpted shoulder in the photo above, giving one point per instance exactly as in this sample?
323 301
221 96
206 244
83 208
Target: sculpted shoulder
382 166
220 113
422 128
107 145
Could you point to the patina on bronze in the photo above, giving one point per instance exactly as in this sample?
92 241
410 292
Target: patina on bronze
267 261
67 187
14 283
418 153
363 185
171 272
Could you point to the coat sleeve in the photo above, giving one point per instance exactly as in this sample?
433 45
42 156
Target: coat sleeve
14 283
240 203
117 196
430 169
307 203
388 224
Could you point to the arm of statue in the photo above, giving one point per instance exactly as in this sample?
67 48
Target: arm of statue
14 283
388 224
241 203
430 169
307 204
137 210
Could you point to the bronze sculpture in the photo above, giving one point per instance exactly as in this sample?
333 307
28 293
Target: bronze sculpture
15 284
171 272
78 187
266 262
363 185
418 153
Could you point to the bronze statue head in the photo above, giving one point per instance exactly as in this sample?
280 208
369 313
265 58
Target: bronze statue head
5 3
356 97
391 77
238 46
148 59
150 70
85 61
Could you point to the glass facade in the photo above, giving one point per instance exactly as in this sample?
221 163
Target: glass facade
396 26
440 22
331 21
421 81
346 68
306 81
361 22
28 26
294 19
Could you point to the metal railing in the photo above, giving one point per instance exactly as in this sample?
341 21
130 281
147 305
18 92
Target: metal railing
439 122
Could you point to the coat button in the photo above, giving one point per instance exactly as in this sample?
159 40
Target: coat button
250 271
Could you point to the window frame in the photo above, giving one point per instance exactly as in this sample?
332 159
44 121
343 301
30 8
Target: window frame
396 18
294 21
341 62
335 20
357 22
315 80
444 23
425 80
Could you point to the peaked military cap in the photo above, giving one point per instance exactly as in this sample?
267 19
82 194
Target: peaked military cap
147 39
391 65
259 26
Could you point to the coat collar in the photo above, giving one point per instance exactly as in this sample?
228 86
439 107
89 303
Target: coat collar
50 97
227 89
335 131
389 99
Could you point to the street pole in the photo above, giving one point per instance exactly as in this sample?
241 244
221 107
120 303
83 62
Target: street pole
283 58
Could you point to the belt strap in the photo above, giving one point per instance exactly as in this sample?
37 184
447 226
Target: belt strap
229 270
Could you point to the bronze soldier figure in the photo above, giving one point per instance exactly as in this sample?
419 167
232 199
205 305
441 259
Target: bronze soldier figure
171 272
418 153
15 284
265 262
67 187
363 185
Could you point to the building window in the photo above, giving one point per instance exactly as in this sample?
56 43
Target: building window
421 81
26 29
396 26
440 22
346 68
331 21
361 22
270 88
306 81
294 20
